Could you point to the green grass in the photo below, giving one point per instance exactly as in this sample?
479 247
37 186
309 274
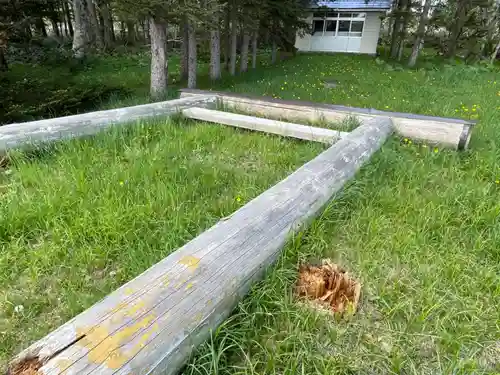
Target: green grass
80 218
419 227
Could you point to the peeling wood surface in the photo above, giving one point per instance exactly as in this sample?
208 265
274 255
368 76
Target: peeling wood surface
309 133
16 135
449 132
153 323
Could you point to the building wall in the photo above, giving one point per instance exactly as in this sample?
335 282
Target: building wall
367 43
371 33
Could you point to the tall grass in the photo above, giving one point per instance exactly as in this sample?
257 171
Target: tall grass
80 218
418 226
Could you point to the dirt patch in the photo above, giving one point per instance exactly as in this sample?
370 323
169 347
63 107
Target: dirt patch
328 286
27 367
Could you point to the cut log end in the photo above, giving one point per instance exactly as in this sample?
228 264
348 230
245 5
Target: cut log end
463 143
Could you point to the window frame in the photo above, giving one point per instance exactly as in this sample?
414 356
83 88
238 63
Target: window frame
340 16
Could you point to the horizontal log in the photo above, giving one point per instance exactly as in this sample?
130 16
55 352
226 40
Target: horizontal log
15 135
308 133
152 324
448 132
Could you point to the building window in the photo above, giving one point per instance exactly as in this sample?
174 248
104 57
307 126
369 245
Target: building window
344 27
318 26
327 23
356 28
331 25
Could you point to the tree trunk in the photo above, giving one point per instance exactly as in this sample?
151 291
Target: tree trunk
215 50
184 49
146 33
274 52
234 38
67 14
54 17
456 29
254 49
244 52
396 29
192 58
80 37
94 25
131 39
40 27
107 21
3 61
227 39
159 68
404 26
495 53
419 36
66 31
55 26
122 31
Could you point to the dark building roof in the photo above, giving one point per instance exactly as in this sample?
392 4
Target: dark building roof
354 4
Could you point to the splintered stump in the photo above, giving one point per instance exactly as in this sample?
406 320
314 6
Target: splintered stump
328 286
152 324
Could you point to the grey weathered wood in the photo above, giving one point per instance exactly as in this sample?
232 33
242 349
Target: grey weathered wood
309 133
448 132
15 135
153 323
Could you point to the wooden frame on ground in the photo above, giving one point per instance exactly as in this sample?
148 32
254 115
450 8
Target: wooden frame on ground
449 132
152 324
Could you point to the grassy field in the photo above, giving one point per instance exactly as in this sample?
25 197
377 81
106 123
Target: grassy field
419 227
79 219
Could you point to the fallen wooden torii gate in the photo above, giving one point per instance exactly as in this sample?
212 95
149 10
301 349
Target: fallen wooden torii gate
447 132
152 324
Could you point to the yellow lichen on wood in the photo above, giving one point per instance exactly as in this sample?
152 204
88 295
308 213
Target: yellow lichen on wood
62 364
109 348
190 262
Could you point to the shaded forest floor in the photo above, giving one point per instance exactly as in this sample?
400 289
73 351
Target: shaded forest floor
60 87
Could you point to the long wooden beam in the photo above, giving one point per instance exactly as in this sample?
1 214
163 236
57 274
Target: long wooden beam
153 323
309 133
449 132
21 134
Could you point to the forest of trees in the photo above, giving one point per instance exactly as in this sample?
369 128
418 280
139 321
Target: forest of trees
232 30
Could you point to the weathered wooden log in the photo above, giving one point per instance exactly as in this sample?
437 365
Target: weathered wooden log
15 135
448 132
153 323
309 133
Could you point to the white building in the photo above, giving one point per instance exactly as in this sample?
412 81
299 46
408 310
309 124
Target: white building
344 26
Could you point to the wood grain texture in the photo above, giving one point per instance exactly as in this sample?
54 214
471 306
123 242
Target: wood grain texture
449 132
16 135
153 323
309 133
